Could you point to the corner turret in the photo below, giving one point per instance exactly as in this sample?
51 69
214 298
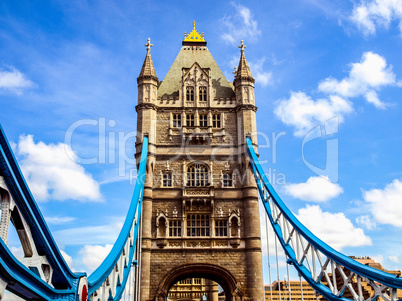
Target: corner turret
243 81
147 80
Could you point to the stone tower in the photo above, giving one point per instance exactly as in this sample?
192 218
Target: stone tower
200 212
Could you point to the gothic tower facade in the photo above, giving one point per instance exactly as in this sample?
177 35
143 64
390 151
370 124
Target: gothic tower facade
200 212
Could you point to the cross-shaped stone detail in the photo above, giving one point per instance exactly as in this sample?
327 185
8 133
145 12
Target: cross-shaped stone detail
242 46
149 45
194 25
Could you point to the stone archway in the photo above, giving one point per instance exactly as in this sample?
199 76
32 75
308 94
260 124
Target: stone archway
216 273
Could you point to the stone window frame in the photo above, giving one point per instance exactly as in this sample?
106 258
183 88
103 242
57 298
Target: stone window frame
192 226
189 93
199 176
203 120
202 93
227 179
217 120
221 225
190 120
176 120
169 178
175 224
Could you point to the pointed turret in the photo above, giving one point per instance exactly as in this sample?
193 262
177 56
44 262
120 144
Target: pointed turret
147 80
244 81
148 70
243 71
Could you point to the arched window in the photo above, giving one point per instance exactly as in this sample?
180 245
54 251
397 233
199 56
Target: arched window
234 227
197 175
202 94
190 94
161 227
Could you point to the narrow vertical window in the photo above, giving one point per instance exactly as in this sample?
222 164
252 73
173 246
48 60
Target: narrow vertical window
174 228
227 180
190 120
203 120
221 228
167 179
216 120
202 92
176 120
190 94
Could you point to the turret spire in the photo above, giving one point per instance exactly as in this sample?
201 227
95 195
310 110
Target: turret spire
243 71
148 69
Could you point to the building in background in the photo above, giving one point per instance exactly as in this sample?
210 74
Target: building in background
301 290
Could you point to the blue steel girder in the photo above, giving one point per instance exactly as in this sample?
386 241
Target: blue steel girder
66 285
112 275
64 281
312 258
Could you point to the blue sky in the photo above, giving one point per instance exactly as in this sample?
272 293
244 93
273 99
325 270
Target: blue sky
66 64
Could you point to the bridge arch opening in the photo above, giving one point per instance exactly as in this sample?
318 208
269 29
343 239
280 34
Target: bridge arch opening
215 273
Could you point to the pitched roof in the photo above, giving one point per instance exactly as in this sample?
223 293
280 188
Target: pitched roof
185 59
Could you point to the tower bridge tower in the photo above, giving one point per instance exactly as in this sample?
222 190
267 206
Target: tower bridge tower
200 212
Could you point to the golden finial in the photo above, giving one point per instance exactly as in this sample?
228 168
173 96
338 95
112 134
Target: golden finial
242 46
194 36
149 45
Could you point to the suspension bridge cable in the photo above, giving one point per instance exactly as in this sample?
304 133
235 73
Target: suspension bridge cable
277 268
301 288
139 265
289 289
269 260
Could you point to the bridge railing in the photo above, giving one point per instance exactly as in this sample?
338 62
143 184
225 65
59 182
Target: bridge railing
331 273
108 281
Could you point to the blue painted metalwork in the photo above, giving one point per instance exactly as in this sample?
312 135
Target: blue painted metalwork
133 218
272 201
64 280
65 284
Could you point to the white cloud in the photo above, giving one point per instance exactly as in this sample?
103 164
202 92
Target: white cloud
89 235
53 175
316 189
67 258
14 81
59 220
366 221
242 26
365 77
333 228
302 112
385 204
395 259
93 255
368 15
261 77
